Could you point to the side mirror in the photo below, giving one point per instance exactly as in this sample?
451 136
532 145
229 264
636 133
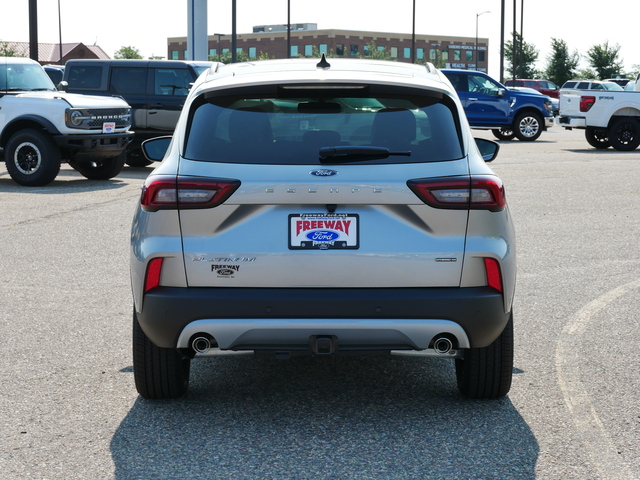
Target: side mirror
502 92
63 86
156 148
488 149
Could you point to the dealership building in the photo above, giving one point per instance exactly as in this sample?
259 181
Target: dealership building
305 40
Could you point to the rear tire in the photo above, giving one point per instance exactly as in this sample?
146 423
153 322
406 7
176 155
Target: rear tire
102 169
527 126
159 373
32 158
485 373
597 137
505 133
136 159
624 134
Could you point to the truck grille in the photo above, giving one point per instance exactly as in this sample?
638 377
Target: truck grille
95 118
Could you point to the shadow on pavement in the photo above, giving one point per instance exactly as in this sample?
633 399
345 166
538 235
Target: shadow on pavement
321 418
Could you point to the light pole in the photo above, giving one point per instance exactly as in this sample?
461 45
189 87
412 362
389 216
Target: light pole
477 15
60 33
219 35
413 35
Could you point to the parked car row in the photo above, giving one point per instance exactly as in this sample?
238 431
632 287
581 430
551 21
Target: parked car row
156 91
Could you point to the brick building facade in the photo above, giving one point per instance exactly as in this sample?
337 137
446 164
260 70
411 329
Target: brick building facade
450 52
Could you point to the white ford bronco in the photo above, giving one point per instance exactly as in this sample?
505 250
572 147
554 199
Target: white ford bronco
41 127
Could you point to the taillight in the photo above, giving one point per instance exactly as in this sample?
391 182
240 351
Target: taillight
154 270
477 192
170 193
586 102
494 277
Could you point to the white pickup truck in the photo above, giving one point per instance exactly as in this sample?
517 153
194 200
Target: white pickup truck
41 127
610 118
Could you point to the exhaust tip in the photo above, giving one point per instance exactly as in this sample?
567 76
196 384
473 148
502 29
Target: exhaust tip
442 345
201 344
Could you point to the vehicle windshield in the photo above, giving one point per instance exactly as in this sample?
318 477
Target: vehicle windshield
24 77
289 126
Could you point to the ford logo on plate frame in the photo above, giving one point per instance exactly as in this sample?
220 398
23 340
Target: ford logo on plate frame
323 172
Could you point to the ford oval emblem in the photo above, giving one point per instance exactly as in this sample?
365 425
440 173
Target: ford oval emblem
323 172
225 272
322 236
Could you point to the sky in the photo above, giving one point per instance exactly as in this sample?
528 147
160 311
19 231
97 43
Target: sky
146 24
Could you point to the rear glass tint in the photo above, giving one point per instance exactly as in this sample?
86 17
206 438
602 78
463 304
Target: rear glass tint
289 125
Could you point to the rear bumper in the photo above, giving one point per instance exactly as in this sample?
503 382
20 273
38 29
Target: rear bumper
360 318
572 122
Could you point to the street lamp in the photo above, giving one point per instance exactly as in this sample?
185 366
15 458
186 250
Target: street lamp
219 35
477 15
60 33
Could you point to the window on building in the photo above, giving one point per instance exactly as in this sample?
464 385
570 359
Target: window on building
353 51
407 52
185 54
445 55
213 52
225 50
252 52
239 51
469 55
432 54
323 49
394 52
367 51
381 48
175 55
420 53
340 49
294 51
456 55
308 50
481 56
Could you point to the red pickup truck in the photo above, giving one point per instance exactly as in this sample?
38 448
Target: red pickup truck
543 86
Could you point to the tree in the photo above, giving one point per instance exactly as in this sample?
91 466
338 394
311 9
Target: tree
241 56
7 51
525 62
561 65
127 52
373 52
604 60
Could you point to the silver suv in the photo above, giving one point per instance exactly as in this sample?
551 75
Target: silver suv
318 208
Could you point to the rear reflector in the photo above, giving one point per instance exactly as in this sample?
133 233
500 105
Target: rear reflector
477 192
171 193
154 270
494 278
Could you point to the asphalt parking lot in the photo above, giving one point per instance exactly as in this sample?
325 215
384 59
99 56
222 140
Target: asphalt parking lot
69 409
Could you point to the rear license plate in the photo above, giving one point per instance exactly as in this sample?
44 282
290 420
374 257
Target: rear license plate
323 231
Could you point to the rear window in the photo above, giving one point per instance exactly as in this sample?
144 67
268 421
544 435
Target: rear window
290 124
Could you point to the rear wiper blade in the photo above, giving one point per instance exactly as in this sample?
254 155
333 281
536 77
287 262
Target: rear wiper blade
350 153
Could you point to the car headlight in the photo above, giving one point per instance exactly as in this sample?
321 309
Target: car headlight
76 118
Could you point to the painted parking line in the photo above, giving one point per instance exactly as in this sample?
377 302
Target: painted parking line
596 439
